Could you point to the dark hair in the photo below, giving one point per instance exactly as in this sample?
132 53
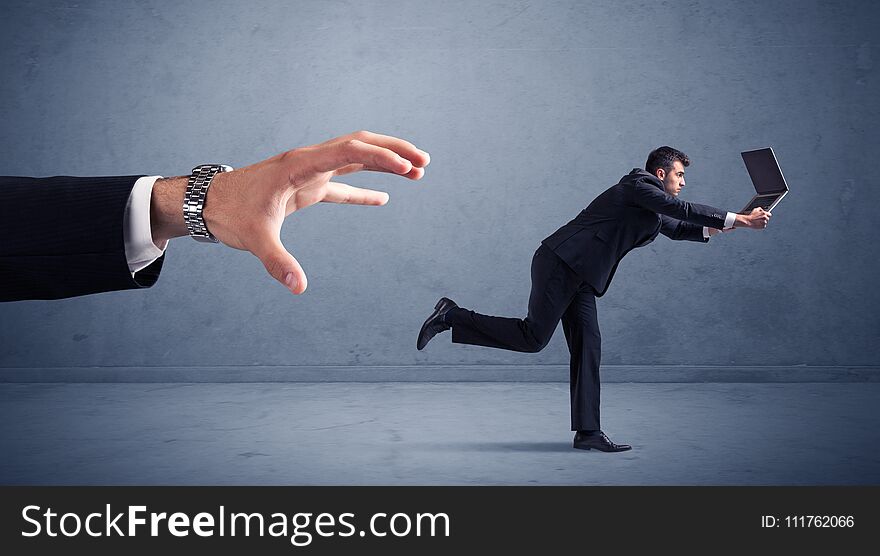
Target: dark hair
663 157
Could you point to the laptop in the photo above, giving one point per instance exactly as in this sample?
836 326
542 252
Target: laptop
767 178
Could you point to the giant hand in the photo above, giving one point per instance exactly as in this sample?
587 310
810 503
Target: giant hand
246 208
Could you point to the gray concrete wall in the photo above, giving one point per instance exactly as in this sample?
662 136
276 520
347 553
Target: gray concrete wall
529 109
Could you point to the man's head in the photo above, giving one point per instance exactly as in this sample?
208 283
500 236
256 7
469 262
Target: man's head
668 165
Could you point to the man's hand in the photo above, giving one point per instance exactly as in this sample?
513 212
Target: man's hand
245 208
756 220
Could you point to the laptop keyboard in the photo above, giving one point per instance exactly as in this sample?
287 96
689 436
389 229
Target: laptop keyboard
763 202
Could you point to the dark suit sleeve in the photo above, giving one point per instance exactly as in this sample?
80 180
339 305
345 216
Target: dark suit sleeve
651 197
679 229
63 236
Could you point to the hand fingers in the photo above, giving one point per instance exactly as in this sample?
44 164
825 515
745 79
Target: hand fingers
407 150
415 174
760 220
335 156
281 265
350 169
346 194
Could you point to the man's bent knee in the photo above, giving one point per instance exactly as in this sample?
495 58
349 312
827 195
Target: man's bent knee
536 344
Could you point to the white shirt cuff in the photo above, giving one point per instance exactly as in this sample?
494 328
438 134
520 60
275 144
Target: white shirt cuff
730 220
140 251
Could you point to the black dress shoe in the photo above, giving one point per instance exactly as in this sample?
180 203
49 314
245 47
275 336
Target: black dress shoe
598 441
435 324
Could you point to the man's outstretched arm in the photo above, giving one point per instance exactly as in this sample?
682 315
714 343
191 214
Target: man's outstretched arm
652 198
681 230
65 236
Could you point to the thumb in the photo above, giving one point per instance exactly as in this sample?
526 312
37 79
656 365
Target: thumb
282 266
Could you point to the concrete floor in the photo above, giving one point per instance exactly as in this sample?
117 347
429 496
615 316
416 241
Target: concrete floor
435 434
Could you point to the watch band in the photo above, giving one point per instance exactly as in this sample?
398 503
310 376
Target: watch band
194 200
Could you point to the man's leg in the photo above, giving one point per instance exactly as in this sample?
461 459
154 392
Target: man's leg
553 286
581 327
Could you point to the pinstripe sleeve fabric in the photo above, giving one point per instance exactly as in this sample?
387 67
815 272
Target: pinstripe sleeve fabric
63 236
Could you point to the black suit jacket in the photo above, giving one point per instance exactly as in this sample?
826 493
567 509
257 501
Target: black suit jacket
627 215
63 236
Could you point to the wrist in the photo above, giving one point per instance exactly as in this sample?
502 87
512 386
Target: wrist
741 220
166 217
215 213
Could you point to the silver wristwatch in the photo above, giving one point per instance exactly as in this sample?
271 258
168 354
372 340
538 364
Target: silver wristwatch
194 200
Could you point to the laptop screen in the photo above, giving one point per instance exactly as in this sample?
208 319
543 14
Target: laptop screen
764 171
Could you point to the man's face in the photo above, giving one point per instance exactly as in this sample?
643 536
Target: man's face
673 180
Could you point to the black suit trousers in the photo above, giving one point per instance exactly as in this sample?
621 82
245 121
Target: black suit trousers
557 294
